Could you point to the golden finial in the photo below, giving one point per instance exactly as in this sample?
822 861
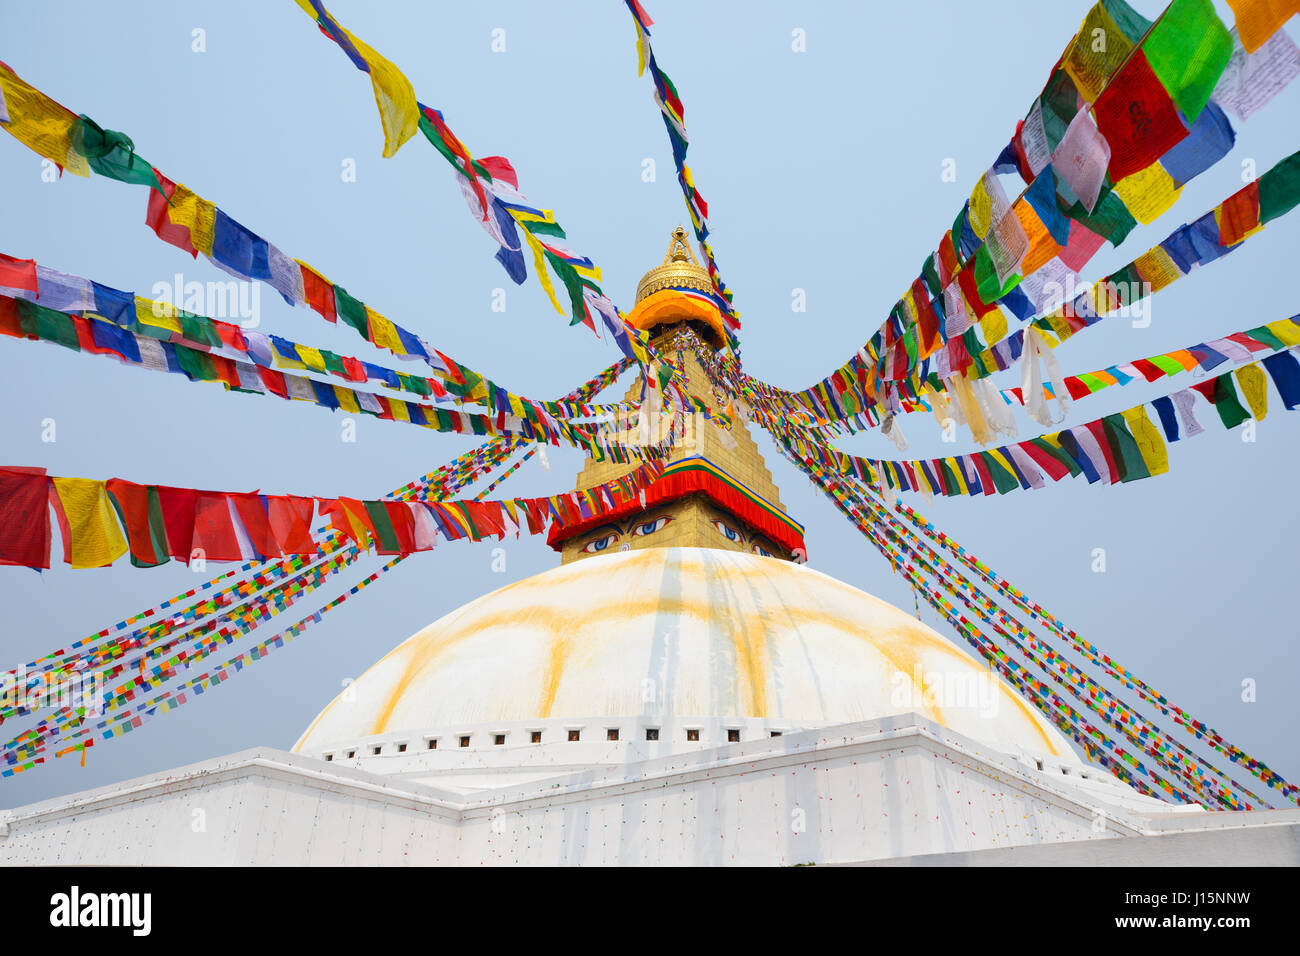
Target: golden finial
679 250
680 269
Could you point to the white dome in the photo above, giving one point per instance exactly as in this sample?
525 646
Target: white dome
677 632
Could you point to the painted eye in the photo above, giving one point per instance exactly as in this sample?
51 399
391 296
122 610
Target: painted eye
650 527
763 552
599 544
728 532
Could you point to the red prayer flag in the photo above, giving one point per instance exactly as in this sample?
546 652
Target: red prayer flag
403 522
1137 117
274 381
1239 214
178 506
24 517
232 336
1150 370
156 217
1049 463
356 372
290 517
132 501
1098 431
252 511
319 292
10 323
18 273
214 532
499 167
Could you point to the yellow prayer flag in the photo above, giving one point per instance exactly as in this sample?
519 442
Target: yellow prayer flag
1156 268
521 215
981 209
1251 379
400 412
1148 193
399 113
592 273
94 536
40 124
1057 321
347 399
160 315
1098 51
994 326
383 334
539 265
1286 330
311 358
1150 445
640 50
195 213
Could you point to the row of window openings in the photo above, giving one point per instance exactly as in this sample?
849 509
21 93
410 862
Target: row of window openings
535 737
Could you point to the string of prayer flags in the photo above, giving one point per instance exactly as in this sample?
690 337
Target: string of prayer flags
102 520
491 189
1123 447
1007 638
195 225
1148 87
161 320
674 117
20 318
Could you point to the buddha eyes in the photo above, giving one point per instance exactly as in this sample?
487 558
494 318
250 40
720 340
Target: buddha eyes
599 544
728 532
650 527
763 552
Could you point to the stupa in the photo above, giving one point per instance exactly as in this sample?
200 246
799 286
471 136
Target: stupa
682 689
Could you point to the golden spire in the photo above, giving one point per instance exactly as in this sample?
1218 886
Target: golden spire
680 269
749 516
667 295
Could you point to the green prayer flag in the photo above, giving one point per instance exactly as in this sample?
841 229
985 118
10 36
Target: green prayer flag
333 362
1124 449
572 282
48 325
385 535
1109 218
1279 189
197 365
545 229
1059 103
351 311
1188 49
112 154
1265 335
1003 480
198 329
1231 412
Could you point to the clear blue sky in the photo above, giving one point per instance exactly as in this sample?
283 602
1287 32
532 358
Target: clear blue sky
822 172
